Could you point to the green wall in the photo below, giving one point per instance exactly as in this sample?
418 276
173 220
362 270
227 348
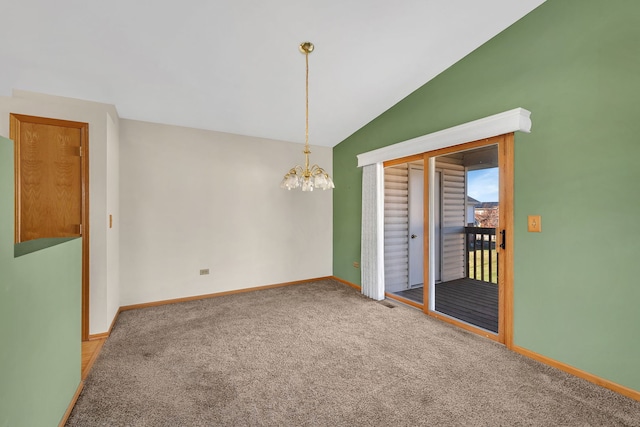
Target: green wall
40 346
575 64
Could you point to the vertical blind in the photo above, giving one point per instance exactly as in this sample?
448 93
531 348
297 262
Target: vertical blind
453 218
396 228
372 243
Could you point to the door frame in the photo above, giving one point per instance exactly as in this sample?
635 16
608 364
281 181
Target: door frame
505 144
505 267
15 121
504 123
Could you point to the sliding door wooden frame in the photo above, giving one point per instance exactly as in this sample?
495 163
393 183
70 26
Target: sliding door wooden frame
505 290
506 161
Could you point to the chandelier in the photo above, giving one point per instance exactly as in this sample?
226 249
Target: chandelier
312 177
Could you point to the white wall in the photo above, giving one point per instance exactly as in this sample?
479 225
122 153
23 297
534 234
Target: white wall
100 177
194 199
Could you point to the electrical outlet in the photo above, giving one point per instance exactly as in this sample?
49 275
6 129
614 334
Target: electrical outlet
204 271
356 264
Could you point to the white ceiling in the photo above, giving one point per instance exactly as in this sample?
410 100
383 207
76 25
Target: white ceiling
234 65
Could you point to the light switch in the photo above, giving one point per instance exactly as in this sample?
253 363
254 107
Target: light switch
534 224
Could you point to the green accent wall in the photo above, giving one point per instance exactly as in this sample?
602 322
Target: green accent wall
40 347
575 64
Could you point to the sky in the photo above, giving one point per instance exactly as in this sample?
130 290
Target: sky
482 185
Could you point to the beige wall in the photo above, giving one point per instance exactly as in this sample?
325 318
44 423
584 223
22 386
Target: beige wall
184 200
194 199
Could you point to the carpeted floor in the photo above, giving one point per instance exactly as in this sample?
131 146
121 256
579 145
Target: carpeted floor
320 354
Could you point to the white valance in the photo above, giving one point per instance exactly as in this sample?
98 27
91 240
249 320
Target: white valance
498 124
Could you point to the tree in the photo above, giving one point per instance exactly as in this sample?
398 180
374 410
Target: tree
487 217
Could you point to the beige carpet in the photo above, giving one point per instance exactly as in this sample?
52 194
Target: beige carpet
320 354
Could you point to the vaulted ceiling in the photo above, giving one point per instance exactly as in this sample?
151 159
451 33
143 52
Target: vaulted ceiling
234 65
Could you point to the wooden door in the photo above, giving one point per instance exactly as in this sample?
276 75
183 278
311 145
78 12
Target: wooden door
51 178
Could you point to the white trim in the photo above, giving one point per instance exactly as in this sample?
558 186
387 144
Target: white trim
509 121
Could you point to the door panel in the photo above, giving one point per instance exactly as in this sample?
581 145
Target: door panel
49 182
473 304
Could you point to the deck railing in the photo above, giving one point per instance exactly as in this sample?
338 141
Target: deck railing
482 259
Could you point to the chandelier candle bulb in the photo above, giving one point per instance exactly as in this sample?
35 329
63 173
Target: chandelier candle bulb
307 178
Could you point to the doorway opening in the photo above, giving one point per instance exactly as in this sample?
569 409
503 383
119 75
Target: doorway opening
466 215
52 186
404 230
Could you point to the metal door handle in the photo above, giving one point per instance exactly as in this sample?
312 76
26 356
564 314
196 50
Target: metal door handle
413 236
503 245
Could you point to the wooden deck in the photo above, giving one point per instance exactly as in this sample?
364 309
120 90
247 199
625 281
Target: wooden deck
414 294
469 300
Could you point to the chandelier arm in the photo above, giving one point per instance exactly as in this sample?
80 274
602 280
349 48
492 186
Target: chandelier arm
295 170
315 169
